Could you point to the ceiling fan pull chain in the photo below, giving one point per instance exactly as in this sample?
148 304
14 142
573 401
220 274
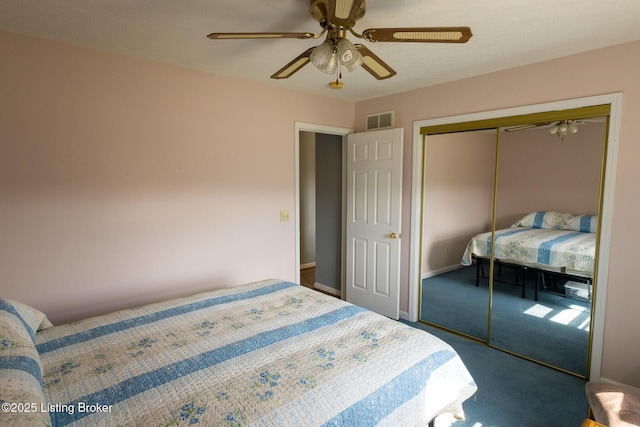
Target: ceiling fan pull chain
337 84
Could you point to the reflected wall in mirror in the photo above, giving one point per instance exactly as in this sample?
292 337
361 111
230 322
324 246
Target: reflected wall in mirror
484 191
458 201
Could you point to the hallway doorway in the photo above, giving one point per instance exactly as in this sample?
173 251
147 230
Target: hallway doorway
319 177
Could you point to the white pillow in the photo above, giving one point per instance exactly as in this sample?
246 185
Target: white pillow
36 319
20 369
545 219
584 223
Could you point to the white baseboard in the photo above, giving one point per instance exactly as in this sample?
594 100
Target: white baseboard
441 271
327 289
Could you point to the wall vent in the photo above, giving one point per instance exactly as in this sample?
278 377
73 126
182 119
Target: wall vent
379 121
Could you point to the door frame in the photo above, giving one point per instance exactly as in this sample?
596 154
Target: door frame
615 100
329 130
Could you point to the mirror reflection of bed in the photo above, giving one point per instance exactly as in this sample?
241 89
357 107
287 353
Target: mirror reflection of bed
539 302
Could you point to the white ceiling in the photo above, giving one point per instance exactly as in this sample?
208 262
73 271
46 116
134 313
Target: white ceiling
507 34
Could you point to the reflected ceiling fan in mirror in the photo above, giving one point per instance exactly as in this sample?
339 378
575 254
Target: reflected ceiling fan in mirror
559 128
337 18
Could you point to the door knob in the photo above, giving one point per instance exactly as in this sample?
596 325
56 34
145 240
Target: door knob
393 235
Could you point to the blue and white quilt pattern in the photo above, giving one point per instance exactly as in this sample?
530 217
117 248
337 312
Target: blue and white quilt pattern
553 249
269 353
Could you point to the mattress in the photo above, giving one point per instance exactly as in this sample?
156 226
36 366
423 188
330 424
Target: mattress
560 250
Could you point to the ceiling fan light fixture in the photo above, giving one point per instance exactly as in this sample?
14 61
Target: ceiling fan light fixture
324 58
573 128
333 64
348 55
563 128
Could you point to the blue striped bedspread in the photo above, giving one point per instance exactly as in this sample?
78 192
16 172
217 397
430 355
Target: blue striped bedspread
551 249
271 353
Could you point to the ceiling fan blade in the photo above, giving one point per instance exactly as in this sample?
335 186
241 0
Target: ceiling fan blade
419 34
226 36
594 121
293 66
523 127
374 65
344 13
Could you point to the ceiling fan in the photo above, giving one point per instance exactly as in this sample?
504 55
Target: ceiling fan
337 18
560 128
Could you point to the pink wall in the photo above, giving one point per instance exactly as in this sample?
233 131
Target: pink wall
124 181
610 70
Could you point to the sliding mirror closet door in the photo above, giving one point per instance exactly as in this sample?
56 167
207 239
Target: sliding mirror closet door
547 203
458 185
510 231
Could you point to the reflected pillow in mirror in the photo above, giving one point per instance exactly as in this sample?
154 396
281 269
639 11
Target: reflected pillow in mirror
584 223
545 219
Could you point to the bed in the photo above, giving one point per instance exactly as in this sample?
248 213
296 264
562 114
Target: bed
266 353
543 241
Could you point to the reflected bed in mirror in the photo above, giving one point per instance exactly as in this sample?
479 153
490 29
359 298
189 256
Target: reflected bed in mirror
547 244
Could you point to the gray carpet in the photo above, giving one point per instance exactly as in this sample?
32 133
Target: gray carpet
513 391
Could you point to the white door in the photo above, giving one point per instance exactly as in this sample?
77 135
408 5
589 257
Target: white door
374 196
